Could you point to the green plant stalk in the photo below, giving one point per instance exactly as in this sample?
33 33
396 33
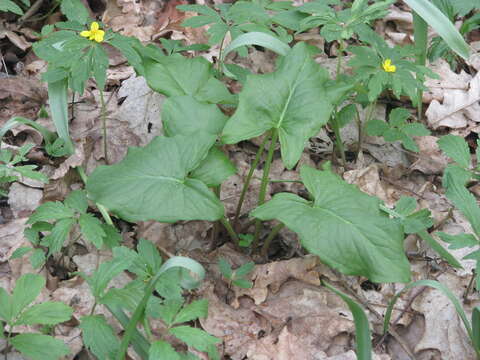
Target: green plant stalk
103 210
248 179
420 33
103 114
264 183
360 131
266 245
230 230
338 139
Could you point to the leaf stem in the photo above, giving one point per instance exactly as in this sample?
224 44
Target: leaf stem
103 210
103 114
271 236
246 184
264 183
230 230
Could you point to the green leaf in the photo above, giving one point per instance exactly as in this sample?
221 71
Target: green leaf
162 350
343 226
50 211
476 327
196 309
77 200
376 127
5 305
456 148
92 229
47 313
149 254
243 283
184 115
20 252
169 309
100 65
195 338
296 100
260 39
7 5
158 174
107 271
442 25
37 258
214 169
27 288
362 327
346 115
55 240
244 270
225 268
112 236
99 337
29 172
458 241
39 347
439 249
176 75
74 10
57 96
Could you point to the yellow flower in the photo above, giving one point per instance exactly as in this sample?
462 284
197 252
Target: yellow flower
94 33
388 67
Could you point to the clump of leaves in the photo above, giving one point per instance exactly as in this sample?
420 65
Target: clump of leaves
17 309
398 129
59 219
455 178
236 277
11 6
11 168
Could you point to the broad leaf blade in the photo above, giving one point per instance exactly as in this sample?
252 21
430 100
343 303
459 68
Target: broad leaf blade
27 288
156 175
39 347
47 313
295 99
456 148
162 350
343 227
99 337
57 95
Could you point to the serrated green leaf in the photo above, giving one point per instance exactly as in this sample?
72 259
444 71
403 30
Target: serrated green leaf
244 270
5 305
162 350
225 268
100 65
458 241
243 283
417 221
37 258
456 148
195 338
20 252
74 10
7 5
169 309
149 254
343 227
406 205
376 127
346 115
196 309
29 172
99 337
27 288
47 313
55 240
298 107
39 347
158 174
50 211
91 229
112 236
77 200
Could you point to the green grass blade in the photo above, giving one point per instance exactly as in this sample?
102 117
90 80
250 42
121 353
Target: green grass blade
259 39
420 33
178 261
442 25
362 328
476 328
48 136
436 285
57 95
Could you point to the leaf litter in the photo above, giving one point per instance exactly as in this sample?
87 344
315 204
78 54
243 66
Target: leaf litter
286 314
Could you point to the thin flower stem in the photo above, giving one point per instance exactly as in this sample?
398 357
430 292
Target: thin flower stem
248 179
103 114
263 185
229 228
268 240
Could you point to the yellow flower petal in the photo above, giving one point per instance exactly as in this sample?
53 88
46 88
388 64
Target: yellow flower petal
388 67
94 26
85 33
99 34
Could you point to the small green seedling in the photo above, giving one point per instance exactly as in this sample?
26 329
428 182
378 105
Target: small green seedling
398 129
238 276
17 309
10 170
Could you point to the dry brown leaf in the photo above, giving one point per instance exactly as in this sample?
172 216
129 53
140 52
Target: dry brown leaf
431 159
23 200
11 235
